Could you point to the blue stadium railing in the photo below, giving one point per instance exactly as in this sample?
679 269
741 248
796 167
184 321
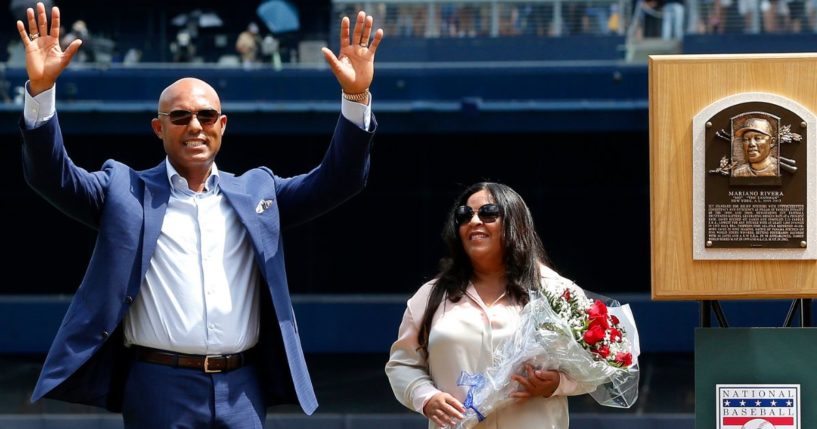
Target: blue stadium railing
554 96
332 323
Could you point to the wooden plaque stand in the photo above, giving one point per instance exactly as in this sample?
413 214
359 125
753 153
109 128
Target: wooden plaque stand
680 86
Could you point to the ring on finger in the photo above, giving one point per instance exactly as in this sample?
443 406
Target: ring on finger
363 45
33 36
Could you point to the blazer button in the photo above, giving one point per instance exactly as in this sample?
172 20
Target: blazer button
128 299
105 334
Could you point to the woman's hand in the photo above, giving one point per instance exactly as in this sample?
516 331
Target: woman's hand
45 60
444 410
537 383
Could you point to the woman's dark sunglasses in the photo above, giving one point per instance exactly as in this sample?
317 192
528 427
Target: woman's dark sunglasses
488 213
183 117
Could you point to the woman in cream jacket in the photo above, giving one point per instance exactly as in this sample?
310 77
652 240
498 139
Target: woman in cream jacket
495 258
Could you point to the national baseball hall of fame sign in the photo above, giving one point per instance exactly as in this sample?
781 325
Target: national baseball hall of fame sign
754 191
758 406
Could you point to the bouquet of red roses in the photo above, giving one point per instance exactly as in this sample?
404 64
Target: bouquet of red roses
593 326
591 340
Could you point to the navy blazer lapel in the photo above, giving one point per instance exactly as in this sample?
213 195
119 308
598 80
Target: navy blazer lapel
157 194
244 206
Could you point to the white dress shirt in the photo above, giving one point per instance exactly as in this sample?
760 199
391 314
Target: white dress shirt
200 291
463 337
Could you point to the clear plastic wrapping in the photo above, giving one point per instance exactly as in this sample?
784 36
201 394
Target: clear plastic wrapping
555 334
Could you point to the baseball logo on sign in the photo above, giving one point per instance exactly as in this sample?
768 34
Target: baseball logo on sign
758 424
758 406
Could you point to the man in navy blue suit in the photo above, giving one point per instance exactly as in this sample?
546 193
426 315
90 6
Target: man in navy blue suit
184 318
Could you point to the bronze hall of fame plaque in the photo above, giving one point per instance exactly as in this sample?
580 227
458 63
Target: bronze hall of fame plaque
755 166
756 183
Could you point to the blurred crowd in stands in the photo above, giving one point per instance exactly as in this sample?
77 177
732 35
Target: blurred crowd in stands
496 19
244 39
668 19
231 36
671 19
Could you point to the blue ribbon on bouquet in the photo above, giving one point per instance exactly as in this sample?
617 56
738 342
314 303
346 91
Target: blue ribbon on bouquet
475 381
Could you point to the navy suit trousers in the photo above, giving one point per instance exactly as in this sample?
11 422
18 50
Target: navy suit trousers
159 396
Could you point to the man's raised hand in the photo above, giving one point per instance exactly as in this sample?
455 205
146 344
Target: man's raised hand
354 65
45 60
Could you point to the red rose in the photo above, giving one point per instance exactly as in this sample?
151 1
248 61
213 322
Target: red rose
594 334
615 335
566 295
625 359
603 351
600 322
614 319
597 311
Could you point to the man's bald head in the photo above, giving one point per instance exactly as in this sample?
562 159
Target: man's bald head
187 87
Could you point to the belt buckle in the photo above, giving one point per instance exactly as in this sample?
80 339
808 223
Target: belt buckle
207 364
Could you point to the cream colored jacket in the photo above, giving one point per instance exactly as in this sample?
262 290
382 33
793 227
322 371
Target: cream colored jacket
463 337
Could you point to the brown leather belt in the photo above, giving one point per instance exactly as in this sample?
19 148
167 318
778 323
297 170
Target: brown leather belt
206 363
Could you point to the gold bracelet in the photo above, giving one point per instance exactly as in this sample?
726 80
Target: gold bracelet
355 97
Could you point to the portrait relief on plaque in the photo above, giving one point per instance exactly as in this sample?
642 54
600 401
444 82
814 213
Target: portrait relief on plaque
755 148
755 140
751 191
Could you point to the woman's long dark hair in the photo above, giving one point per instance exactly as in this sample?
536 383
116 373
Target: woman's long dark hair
523 253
